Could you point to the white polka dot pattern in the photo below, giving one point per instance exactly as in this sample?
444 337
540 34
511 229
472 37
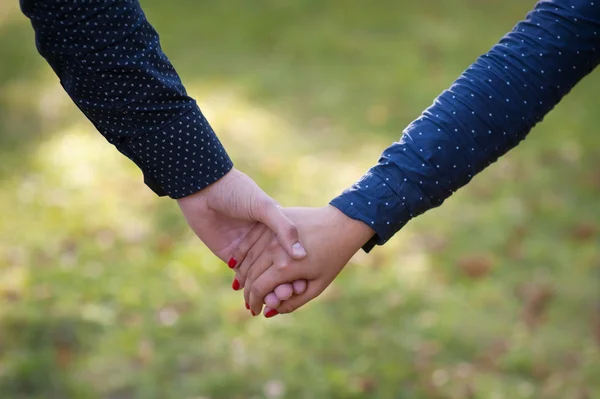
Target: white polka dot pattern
109 60
490 108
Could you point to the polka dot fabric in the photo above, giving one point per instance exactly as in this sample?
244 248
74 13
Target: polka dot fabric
490 108
109 60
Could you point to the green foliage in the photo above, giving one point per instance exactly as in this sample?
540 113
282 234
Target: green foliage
104 293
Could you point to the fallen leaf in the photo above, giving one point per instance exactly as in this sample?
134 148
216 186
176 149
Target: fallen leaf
425 354
584 393
63 355
490 356
593 180
165 244
584 231
367 385
596 324
11 295
540 370
476 266
536 298
469 391
571 360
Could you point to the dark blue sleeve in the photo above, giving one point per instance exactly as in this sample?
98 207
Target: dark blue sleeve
109 60
488 110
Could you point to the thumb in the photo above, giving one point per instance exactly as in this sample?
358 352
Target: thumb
286 231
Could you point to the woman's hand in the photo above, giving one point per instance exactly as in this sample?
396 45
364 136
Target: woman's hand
330 238
223 213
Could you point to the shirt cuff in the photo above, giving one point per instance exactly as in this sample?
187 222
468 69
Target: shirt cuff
372 201
182 158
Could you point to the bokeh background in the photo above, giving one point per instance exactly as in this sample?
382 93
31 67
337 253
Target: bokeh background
105 293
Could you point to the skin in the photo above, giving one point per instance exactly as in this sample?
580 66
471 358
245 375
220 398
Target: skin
250 249
223 213
331 239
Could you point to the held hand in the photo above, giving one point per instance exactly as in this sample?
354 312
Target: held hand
331 239
223 213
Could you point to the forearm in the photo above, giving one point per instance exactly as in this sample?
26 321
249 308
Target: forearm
109 60
486 112
348 231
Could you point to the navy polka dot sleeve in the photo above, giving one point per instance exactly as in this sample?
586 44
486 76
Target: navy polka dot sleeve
486 112
109 60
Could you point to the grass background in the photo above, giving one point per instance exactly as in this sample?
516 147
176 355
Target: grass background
105 293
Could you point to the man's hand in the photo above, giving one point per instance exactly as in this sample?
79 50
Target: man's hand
223 213
331 238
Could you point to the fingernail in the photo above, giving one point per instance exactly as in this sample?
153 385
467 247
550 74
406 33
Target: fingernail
298 249
252 312
236 284
247 306
271 313
232 262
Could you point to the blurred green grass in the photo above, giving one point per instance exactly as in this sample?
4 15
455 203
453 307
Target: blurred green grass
104 293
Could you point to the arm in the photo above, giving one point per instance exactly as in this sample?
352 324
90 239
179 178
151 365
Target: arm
488 110
110 62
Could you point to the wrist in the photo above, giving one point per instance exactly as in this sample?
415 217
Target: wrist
351 231
195 203
200 199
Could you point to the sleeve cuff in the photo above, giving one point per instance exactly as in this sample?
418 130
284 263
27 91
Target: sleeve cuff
182 158
373 202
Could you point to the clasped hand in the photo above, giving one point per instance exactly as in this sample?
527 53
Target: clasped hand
246 228
263 268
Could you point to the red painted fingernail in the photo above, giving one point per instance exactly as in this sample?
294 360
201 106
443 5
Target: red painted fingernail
247 306
252 312
271 313
236 284
232 262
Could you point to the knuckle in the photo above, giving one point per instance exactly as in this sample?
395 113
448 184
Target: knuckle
251 257
247 271
283 266
242 249
249 278
273 245
262 205
291 231
256 291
